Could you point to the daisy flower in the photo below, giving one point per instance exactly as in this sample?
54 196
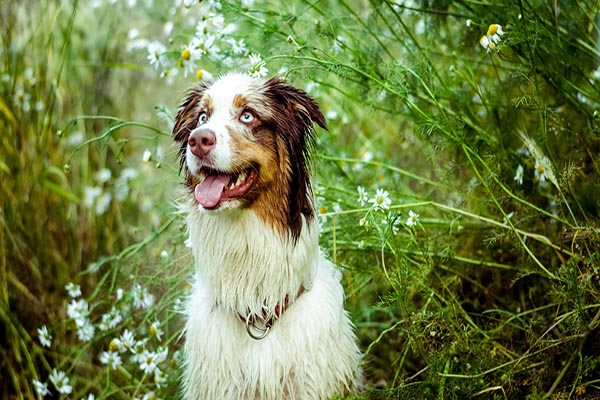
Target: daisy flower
60 380
40 388
85 332
381 200
540 170
362 195
238 47
413 219
111 358
127 339
156 54
519 175
110 320
73 290
492 37
147 362
257 66
78 311
141 297
44 337
155 330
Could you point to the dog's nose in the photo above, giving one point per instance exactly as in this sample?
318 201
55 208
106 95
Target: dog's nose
201 141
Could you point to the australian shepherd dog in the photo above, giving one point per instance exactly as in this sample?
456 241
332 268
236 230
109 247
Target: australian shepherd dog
265 319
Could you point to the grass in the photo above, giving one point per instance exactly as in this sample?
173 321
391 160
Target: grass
470 261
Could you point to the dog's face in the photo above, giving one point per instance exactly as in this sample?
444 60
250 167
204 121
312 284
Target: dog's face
244 145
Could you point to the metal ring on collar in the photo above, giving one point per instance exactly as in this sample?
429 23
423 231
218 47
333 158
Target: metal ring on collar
262 331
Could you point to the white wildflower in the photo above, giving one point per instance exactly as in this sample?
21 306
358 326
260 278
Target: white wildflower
73 290
85 332
102 203
110 320
44 337
413 219
103 175
381 200
60 381
138 350
150 396
156 54
257 66
78 311
155 330
127 339
111 359
519 175
362 195
540 170
147 156
90 194
492 37
40 388
238 47
141 297
159 378
147 362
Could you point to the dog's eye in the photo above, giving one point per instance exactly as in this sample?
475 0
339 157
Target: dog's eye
246 117
203 117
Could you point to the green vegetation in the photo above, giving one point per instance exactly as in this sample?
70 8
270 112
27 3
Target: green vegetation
458 187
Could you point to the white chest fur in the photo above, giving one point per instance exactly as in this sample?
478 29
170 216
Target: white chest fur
243 267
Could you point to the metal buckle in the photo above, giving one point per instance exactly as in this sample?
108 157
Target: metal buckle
262 332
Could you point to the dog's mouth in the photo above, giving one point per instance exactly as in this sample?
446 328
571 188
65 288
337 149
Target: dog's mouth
216 187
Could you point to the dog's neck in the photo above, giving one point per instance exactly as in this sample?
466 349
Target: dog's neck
247 265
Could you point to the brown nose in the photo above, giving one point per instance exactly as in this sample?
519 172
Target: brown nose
201 141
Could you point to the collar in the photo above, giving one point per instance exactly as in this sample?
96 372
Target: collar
258 326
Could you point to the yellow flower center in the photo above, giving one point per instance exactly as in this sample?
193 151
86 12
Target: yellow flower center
492 29
113 346
186 54
199 74
322 210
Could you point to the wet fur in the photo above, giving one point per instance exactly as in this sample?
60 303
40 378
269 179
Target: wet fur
257 253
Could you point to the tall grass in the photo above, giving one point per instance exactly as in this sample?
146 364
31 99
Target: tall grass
458 187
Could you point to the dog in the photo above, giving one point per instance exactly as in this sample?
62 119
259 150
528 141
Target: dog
265 319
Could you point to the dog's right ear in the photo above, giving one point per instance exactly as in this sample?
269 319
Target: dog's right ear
187 115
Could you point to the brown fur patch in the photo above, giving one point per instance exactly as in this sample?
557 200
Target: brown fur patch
239 102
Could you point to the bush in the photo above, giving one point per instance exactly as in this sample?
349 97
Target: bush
458 187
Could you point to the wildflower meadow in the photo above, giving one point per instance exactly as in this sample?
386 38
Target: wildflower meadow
457 184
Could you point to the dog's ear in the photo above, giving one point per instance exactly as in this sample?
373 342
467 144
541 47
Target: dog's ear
297 103
187 119
295 114
187 114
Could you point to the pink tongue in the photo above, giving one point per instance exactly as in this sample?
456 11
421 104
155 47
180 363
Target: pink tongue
208 193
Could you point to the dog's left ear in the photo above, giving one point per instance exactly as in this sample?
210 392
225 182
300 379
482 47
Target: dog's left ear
187 115
186 119
295 114
301 107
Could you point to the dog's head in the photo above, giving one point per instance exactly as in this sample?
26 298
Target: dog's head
245 144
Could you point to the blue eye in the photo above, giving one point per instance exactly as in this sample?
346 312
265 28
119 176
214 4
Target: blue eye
203 117
246 117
